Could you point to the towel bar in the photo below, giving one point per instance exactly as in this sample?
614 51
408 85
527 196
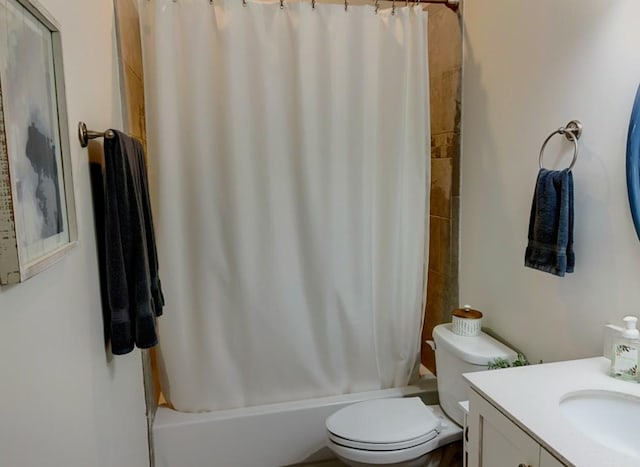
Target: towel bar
573 132
85 135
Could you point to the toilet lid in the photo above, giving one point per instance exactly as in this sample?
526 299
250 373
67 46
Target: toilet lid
383 424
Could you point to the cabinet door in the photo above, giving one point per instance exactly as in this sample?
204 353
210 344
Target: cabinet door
547 460
495 441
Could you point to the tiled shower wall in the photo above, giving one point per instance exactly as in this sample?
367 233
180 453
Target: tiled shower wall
445 53
445 65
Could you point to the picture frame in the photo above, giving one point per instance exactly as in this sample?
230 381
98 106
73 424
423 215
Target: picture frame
37 204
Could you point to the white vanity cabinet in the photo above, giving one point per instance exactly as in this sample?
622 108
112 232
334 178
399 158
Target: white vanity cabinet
516 417
495 441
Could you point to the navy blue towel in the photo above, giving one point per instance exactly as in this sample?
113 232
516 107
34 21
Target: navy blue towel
550 247
133 283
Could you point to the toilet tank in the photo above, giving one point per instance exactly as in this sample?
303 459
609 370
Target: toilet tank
456 355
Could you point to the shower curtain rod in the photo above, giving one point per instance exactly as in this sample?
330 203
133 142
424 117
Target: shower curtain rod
453 4
450 3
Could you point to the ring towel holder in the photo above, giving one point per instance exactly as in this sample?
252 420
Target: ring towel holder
572 131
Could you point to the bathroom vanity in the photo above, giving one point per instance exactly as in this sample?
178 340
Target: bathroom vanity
567 413
501 442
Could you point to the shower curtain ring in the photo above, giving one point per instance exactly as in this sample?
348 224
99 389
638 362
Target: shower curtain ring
346 5
313 4
244 2
282 4
377 7
393 7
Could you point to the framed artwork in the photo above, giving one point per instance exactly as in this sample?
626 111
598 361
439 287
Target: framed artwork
37 207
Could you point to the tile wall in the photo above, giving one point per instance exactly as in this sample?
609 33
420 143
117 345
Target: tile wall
445 53
445 59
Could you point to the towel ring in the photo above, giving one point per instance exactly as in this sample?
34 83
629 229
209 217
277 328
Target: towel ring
572 132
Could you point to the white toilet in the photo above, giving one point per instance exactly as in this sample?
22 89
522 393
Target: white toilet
404 432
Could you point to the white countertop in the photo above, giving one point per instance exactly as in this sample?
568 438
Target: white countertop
530 397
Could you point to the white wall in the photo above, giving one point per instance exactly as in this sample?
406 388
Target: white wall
530 66
62 403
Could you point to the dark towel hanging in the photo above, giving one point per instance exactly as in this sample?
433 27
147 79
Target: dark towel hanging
550 246
133 284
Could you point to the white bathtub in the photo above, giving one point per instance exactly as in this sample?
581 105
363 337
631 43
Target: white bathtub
266 436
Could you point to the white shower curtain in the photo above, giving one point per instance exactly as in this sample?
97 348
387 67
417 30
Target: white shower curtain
289 156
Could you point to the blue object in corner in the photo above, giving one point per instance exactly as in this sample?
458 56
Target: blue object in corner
633 163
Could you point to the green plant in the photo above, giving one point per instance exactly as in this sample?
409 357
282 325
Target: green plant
520 360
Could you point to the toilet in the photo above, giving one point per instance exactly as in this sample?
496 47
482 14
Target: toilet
404 432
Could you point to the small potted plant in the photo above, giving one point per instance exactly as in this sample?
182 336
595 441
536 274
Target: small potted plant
520 360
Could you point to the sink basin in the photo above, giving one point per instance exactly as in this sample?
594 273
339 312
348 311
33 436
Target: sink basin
608 418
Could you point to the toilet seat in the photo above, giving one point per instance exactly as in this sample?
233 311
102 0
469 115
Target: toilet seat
349 443
382 457
383 425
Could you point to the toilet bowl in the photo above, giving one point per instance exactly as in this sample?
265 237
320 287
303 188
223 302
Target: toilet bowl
391 432
404 432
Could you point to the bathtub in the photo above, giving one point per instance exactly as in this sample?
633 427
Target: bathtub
265 436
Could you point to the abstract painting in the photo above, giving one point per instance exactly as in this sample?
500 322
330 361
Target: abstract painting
34 144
